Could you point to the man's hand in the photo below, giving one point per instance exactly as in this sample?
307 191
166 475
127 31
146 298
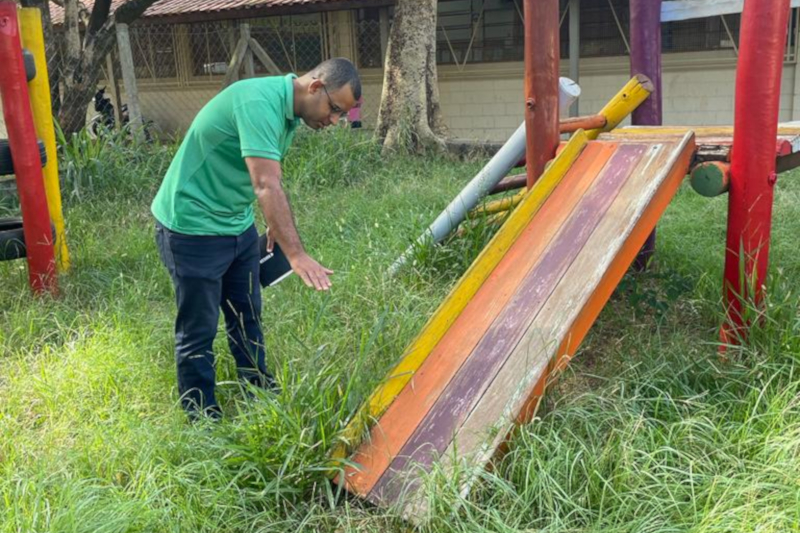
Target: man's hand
312 273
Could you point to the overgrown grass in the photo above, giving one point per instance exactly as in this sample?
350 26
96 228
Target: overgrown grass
647 431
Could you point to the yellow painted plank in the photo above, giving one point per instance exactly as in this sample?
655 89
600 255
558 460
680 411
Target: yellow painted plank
461 294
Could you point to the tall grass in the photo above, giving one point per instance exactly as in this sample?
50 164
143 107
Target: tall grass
647 431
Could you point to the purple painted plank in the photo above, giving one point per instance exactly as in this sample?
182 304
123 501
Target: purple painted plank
465 390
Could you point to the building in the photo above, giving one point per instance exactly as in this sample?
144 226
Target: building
181 49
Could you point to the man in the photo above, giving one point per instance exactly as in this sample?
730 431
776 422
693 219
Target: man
231 156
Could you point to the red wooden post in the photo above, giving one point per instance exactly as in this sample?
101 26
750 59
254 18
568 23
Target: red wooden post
541 84
758 85
646 59
25 151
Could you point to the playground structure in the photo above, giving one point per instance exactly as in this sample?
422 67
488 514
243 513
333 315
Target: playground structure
28 114
484 359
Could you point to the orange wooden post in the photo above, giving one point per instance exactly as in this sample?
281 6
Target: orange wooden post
541 84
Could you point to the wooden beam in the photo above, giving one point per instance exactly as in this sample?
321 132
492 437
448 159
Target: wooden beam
711 178
249 66
541 84
694 9
129 76
263 56
232 74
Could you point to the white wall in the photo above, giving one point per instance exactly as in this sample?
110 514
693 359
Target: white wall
484 101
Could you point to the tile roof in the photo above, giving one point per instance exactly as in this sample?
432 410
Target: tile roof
163 8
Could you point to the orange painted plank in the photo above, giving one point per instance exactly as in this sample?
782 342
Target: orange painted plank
410 407
611 279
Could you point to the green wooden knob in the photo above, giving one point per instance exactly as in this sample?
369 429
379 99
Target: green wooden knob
711 178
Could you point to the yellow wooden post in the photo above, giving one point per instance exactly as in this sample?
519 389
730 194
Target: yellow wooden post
624 102
30 20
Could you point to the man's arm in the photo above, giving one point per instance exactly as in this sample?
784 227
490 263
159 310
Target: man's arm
266 177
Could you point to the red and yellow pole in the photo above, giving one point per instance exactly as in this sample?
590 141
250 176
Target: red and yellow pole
752 173
30 19
25 151
541 85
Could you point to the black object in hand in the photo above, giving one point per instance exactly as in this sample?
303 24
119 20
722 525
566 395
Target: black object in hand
274 266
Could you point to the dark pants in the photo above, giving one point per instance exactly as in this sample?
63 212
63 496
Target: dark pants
209 273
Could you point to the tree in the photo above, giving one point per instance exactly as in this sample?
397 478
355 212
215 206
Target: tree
410 116
83 52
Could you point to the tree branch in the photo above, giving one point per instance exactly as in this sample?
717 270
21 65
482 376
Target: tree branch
99 15
132 10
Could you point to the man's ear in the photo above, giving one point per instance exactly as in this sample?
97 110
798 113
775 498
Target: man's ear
315 85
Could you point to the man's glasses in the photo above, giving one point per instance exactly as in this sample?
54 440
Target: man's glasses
335 109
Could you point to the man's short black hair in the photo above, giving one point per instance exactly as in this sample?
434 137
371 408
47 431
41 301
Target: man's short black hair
336 73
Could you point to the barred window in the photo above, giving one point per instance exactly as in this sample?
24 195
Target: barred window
293 42
600 28
712 33
153 50
371 41
212 45
479 31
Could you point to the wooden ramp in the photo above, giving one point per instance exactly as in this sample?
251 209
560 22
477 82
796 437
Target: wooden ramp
482 361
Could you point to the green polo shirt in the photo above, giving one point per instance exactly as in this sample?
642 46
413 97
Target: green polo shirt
207 188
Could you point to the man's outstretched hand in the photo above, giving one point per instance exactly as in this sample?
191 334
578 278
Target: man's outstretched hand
312 273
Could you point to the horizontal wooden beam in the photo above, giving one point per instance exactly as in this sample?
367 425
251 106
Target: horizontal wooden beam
694 9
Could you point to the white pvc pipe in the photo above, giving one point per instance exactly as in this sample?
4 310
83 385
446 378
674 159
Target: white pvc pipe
490 175
495 170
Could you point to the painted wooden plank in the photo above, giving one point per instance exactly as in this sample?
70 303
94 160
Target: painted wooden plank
460 296
699 131
576 301
707 138
694 9
414 401
611 279
434 434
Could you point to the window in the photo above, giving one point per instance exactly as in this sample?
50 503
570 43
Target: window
372 38
212 45
479 31
153 51
701 34
600 28
293 42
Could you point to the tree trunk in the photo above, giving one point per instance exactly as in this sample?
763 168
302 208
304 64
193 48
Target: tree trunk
83 58
410 116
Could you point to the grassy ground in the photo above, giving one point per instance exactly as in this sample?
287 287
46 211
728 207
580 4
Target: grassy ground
647 431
